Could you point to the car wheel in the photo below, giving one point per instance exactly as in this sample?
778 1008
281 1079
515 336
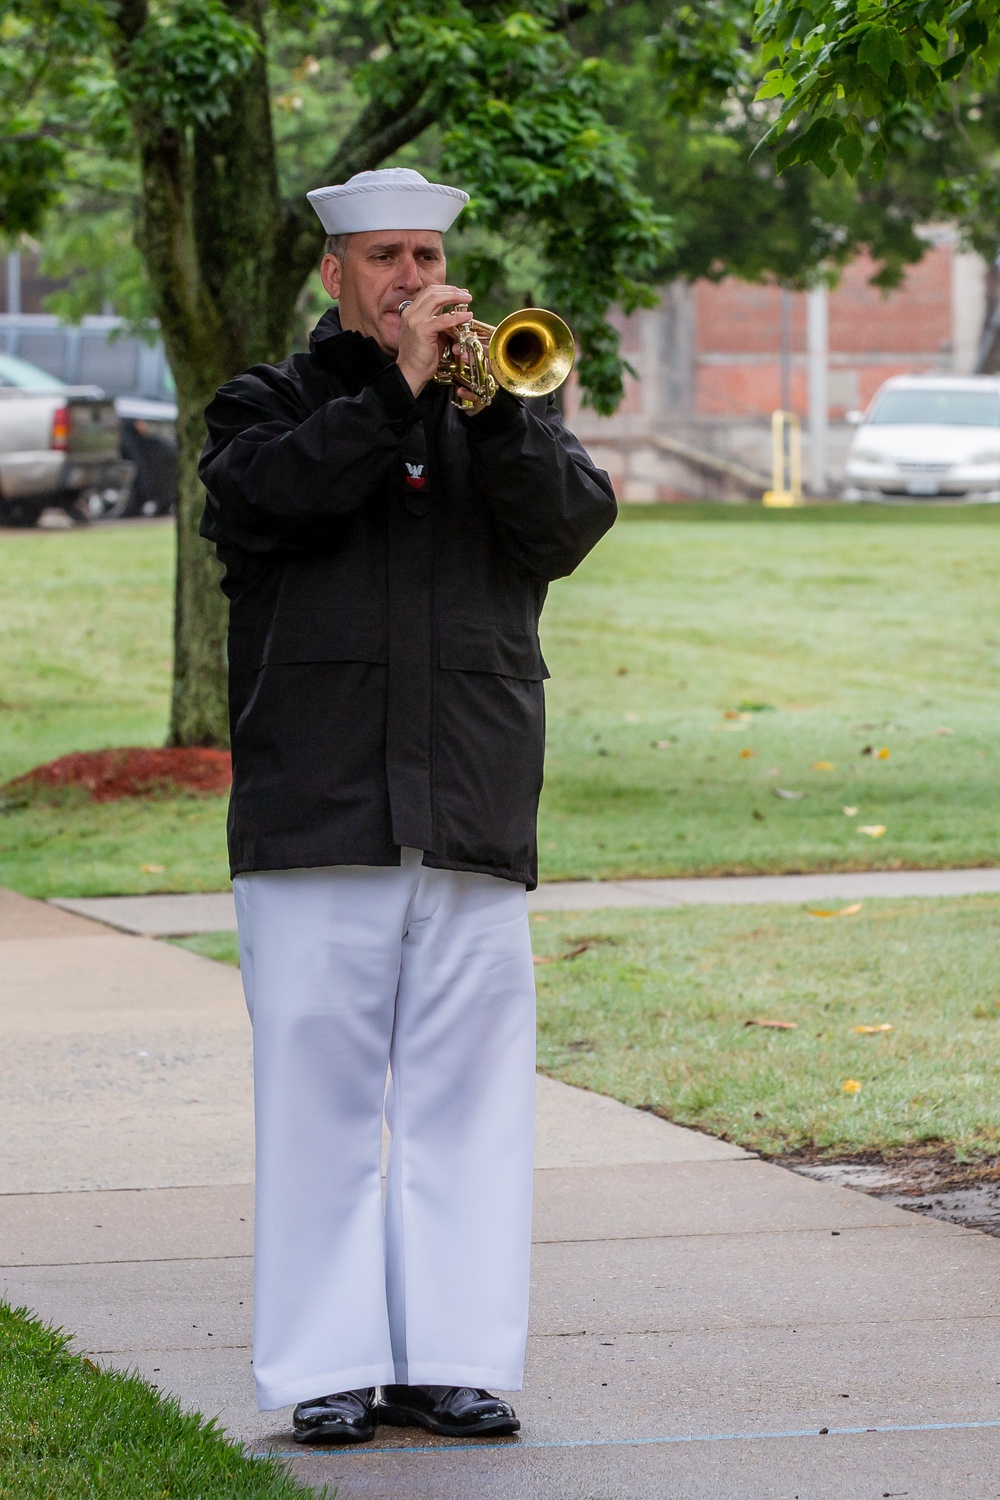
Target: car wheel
20 512
99 505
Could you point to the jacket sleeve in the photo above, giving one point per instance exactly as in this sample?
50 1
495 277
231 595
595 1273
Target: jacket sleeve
273 469
549 502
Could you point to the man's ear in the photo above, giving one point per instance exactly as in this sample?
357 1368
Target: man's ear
331 273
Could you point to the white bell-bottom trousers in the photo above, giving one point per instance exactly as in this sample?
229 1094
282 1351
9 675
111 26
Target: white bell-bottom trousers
349 971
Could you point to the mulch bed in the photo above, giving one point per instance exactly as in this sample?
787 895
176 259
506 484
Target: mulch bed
110 775
922 1179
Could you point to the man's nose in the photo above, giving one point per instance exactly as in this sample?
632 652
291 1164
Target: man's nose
408 276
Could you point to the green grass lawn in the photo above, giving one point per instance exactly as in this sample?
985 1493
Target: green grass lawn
86 622
72 1431
654 1013
858 626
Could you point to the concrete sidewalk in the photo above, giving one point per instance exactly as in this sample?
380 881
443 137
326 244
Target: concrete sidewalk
700 1318
212 911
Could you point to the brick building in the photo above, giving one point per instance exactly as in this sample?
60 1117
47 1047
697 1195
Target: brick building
714 360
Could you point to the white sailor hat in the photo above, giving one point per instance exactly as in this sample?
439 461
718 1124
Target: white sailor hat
392 198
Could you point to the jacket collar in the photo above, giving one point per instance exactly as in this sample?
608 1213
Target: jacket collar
353 357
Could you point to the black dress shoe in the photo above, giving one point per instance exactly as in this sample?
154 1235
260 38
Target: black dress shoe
347 1417
452 1410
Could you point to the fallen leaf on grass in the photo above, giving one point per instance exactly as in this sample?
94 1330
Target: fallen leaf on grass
823 765
943 730
849 812
851 1086
872 1030
872 830
844 911
747 754
882 753
663 744
774 1025
556 958
152 869
787 794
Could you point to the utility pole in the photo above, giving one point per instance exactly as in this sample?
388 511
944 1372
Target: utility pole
817 353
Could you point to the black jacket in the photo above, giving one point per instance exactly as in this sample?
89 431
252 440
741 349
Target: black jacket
386 561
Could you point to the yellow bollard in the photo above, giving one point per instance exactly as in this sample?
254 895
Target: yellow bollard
786 460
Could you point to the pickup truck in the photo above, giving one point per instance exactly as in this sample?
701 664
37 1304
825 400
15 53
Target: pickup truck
59 446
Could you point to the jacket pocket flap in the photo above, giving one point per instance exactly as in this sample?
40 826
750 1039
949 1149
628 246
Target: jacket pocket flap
304 635
484 648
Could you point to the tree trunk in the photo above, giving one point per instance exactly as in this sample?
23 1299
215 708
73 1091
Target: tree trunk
210 218
198 710
226 260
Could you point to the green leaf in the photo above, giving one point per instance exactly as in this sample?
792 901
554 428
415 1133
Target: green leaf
896 83
876 157
787 156
880 47
975 35
851 150
774 83
953 66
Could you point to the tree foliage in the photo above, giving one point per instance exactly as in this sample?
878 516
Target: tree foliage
856 78
514 111
713 159
686 101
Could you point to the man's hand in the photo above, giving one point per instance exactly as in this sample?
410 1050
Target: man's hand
425 332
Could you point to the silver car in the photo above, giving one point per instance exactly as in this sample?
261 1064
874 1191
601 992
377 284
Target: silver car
928 436
59 446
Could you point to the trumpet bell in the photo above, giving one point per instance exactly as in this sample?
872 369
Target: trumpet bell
531 352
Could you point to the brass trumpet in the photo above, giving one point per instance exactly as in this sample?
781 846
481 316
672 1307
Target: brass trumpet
529 353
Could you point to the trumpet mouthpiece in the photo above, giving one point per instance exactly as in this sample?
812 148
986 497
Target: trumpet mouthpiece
404 305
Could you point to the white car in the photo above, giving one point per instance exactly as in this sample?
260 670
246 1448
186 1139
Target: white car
928 435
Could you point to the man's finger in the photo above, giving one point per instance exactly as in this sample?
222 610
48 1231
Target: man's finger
453 319
440 295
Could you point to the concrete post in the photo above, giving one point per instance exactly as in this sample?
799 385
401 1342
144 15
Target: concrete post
786 349
816 345
14 282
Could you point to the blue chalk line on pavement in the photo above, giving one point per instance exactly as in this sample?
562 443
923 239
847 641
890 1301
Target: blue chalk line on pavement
362 1451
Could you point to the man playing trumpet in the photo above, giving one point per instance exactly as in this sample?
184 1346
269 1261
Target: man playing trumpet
386 561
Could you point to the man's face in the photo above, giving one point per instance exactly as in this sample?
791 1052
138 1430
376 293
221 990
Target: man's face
382 268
